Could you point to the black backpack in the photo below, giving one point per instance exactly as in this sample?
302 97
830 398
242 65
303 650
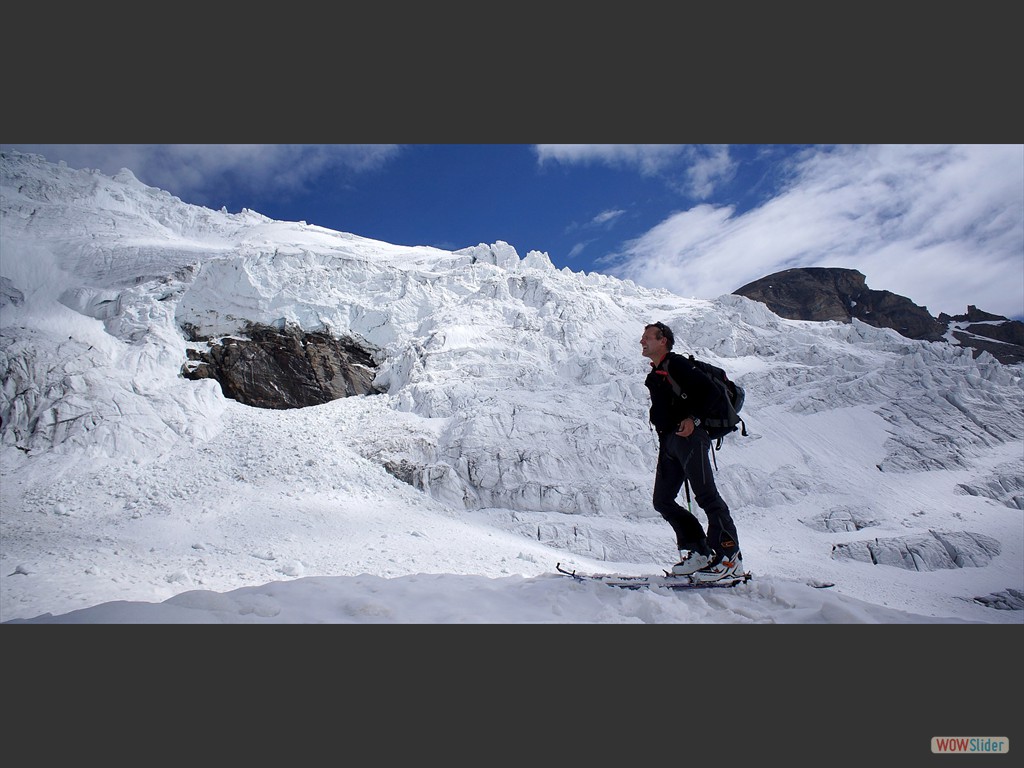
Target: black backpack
718 425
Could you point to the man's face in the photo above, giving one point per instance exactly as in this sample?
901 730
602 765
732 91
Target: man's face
651 346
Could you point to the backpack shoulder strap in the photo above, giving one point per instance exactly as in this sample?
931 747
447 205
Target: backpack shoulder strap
662 370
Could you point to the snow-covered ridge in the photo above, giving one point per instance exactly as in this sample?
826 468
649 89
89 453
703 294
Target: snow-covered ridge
514 390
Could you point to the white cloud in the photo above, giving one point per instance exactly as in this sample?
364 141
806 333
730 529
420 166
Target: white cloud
606 217
206 173
934 223
692 169
710 165
649 159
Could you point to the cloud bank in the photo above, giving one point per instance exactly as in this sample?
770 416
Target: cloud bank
934 223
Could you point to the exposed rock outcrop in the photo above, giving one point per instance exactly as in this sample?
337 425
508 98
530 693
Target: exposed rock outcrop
999 336
833 293
278 368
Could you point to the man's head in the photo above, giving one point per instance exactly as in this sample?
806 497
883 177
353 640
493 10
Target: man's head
657 341
664 332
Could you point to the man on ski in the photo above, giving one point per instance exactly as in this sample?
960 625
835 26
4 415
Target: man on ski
683 456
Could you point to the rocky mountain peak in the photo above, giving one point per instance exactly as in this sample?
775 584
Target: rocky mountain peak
834 293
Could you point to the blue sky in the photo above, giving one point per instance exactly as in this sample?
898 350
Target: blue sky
940 224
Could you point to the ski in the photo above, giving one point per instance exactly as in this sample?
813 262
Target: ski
668 580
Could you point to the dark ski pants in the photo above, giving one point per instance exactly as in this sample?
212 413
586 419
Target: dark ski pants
686 458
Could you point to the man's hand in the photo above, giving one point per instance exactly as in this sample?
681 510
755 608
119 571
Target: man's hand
686 427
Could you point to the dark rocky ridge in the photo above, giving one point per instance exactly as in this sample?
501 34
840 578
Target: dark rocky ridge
833 293
282 368
1000 337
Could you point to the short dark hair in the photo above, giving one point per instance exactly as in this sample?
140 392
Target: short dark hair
664 332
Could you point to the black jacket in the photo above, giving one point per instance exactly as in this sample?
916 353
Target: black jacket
667 410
